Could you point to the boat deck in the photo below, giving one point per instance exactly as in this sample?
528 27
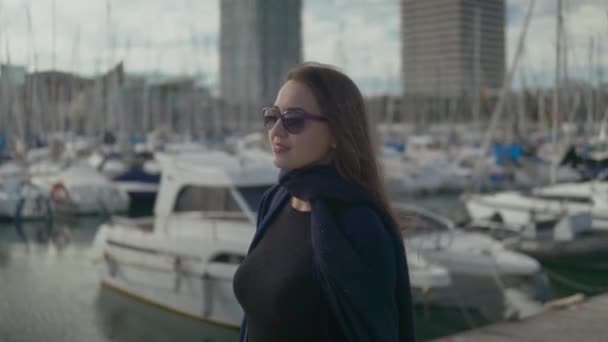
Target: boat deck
585 321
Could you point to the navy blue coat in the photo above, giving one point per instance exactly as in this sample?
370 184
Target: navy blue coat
357 255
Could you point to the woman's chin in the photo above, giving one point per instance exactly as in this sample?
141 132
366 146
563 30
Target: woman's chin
283 163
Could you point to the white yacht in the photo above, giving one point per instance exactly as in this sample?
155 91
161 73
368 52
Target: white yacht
80 186
486 276
185 257
518 208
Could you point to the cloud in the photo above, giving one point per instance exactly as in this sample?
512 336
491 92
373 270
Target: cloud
583 20
361 36
151 36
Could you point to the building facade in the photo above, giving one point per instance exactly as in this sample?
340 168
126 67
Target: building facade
452 48
260 40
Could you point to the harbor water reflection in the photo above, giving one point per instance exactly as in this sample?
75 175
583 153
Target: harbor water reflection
51 292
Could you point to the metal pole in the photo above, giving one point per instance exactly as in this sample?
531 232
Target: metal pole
556 91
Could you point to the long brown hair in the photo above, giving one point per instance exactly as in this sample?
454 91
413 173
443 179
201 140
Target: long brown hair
341 102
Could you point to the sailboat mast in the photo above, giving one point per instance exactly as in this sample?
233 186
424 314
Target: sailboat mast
590 90
477 69
77 116
504 91
53 33
556 91
109 122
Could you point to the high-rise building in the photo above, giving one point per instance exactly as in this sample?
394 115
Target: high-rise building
452 48
260 40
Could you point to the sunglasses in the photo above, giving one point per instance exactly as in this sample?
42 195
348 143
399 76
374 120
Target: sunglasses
292 119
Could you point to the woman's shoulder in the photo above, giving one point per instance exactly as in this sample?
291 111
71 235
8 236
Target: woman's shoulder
369 233
362 219
267 198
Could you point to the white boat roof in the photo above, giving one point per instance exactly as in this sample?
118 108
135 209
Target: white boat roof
574 189
77 174
219 169
420 140
10 169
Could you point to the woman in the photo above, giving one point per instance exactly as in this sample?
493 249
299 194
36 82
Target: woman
327 262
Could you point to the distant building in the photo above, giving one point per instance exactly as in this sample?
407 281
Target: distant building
59 101
439 44
260 40
12 79
12 74
178 104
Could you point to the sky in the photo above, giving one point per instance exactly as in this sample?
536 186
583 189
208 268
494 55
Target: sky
359 36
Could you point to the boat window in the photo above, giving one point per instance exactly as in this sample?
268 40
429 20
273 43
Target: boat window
228 258
563 198
253 195
206 199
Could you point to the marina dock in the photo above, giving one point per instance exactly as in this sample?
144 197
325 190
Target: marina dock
584 321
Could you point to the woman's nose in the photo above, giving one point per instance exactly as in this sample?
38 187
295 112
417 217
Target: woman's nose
278 129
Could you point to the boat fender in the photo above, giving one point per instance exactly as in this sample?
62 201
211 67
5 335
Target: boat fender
59 193
19 209
177 267
543 292
207 295
112 265
496 217
437 242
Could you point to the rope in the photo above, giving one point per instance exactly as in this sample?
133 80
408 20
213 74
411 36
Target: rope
576 285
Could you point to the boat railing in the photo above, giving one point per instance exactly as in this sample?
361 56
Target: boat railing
223 215
211 219
212 215
145 224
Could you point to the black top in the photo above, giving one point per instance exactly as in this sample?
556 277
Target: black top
277 288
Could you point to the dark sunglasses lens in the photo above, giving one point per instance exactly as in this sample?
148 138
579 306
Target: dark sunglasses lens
294 122
270 119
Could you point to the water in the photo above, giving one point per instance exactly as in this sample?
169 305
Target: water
49 291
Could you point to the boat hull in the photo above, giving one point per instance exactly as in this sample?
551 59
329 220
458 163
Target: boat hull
520 211
579 266
193 295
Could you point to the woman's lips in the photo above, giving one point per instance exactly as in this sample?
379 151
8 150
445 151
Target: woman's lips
278 149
